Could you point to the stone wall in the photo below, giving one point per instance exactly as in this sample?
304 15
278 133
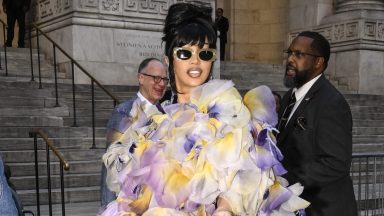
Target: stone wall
257 29
109 38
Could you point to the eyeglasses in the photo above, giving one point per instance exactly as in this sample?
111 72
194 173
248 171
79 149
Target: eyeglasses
184 53
298 54
157 79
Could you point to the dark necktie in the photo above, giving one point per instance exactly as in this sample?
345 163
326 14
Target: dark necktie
286 113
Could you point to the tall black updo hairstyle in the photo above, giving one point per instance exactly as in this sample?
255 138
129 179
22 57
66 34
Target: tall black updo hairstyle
187 24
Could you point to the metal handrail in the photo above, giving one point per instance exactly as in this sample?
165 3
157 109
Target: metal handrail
73 63
5 49
76 63
64 165
368 177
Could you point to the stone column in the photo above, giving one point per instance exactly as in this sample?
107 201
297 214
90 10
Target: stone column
307 13
356 34
109 38
348 5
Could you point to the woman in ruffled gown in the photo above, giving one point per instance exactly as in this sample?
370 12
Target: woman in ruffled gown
208 151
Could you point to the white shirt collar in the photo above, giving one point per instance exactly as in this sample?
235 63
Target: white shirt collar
302 91
148 106
142 98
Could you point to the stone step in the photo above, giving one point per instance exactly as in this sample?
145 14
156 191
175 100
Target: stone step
73 209
32 111
250 84
367 116
25 60
20 52
47 98
87 104
65 87
22 80
83 102
26 71
243 88
75 167
368 109
24 156
367 147
60 143
19 64
70 181
364 97
99 113
35 92
98 95
86 122
246 66
78 194
31 93
365 102
363 138
253 76
22 101
80 103
368 130
368 123
52 132
35 121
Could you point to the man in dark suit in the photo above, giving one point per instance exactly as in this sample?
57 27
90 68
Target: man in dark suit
222 26
316 130
16 10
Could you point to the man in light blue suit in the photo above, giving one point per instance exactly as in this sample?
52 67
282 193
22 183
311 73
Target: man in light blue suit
153 80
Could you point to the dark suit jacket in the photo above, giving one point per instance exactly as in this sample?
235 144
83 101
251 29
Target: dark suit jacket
11 5
317 149
222 25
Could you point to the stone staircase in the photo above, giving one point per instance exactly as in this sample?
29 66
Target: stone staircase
19 63
25 107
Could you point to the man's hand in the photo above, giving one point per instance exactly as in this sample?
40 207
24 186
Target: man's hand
222 213
223 208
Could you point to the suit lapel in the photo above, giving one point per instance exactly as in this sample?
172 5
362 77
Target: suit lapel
306 100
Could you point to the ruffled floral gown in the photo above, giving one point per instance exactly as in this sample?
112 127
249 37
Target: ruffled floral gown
218 145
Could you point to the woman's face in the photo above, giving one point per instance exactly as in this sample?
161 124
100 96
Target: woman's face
192 71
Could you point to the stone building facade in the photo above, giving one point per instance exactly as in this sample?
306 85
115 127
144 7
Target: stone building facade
110 37
261 30
258 29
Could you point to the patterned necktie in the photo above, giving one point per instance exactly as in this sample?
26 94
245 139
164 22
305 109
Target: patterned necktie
286 113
